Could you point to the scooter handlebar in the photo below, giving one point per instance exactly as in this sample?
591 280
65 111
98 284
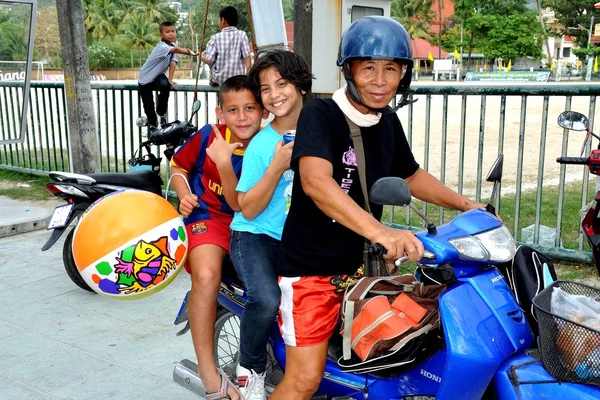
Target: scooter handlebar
573 160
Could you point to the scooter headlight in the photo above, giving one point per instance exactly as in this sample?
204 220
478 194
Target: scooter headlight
496 245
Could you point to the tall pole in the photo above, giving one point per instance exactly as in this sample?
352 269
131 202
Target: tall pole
303 27
539 9
589 43
78 91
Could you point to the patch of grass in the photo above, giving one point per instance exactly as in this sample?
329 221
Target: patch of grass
548 212
576 272
12 181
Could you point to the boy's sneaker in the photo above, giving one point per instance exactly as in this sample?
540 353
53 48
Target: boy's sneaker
163 120
251 384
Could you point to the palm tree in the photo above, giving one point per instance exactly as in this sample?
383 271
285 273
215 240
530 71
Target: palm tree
102 18
155 11
414 15
138 33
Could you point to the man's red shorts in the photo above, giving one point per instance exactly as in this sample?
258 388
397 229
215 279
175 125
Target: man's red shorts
211 231
310 307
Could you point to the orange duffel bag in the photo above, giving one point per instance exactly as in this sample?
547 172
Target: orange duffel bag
382 314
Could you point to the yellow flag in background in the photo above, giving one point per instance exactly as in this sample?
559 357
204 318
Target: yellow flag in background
456 55
485 66
553 65
509 66
430 56
500 66
417 65
595 64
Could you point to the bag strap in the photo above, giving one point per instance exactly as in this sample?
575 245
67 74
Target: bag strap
359 150
371 267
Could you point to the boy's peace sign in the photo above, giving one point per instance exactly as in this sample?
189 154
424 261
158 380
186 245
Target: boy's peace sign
221 151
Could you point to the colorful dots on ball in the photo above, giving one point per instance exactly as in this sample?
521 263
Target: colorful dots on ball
130 244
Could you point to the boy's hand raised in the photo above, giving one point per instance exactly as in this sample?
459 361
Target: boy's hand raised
220 151
187 204
283 156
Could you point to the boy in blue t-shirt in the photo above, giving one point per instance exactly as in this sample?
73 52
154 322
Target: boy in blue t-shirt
152 75
264 196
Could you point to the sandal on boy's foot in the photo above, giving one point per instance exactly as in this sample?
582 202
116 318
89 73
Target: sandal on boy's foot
223 392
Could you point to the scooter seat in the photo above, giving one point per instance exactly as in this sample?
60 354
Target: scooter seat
137 179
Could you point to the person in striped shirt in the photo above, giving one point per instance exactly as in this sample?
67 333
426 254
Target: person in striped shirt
152 75
227 52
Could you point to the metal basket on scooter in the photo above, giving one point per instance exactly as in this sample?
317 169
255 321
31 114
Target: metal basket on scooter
570 351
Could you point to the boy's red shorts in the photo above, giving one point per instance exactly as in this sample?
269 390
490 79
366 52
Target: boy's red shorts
310 307
211 231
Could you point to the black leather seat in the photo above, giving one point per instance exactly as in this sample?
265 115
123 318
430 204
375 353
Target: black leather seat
137 179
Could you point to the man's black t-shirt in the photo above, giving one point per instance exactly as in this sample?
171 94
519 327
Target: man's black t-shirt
312 243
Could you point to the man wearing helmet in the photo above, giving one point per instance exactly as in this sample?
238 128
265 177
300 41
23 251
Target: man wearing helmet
326 226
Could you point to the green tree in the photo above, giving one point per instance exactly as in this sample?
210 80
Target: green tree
102 18
415 15
509 36
137 32
500 28
288 9
14 34
156 11
212 25
574 13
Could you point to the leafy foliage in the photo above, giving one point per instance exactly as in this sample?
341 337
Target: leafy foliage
574 13
498 28
101 56
508 36
415 15
212 21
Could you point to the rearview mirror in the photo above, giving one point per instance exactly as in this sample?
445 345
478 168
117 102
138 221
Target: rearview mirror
495 173
573 120
196 106
390 191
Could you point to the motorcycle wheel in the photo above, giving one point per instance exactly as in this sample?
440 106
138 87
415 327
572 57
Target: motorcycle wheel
226 345
69 263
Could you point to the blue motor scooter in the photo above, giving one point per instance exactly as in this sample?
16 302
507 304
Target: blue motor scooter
483 350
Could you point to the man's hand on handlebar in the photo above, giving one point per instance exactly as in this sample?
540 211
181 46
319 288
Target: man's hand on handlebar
187 204
398 243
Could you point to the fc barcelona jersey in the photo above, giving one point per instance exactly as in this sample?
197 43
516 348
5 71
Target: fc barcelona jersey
203 175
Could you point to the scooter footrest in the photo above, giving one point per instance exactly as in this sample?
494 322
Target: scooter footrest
185 374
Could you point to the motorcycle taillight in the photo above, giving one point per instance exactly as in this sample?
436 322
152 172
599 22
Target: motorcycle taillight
53 189
64 190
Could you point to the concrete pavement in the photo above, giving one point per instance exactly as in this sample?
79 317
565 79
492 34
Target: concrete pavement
60 342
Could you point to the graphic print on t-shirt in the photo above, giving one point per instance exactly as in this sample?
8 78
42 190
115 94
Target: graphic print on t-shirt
349 159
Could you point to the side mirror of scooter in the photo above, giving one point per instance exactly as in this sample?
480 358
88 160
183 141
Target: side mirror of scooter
195 107
394 191
390 191
495 176
573 120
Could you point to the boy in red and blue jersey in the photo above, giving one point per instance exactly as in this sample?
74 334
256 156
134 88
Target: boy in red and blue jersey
211 161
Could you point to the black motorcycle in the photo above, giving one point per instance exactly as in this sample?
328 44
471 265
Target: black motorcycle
81 190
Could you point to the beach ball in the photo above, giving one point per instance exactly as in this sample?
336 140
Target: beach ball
130 244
